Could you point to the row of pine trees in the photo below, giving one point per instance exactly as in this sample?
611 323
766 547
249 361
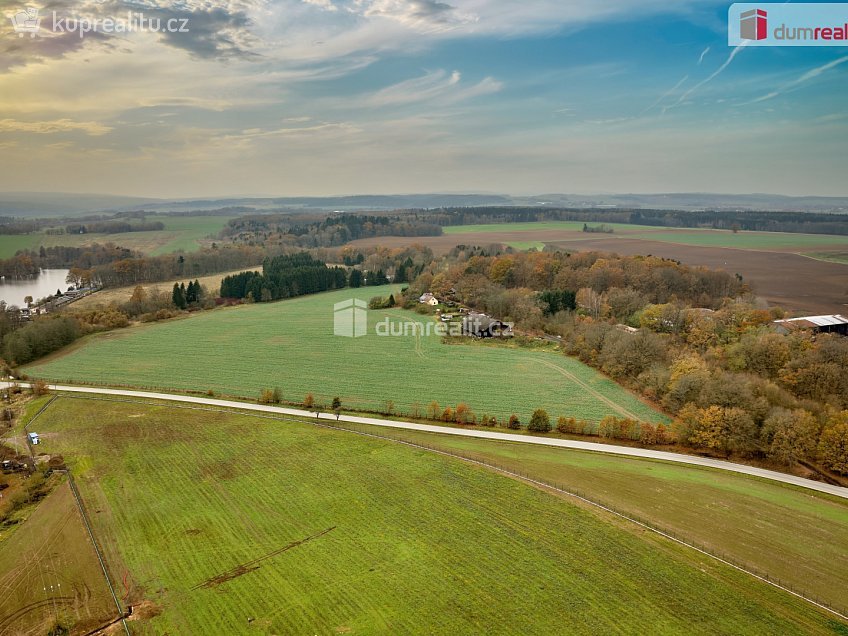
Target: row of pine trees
184 295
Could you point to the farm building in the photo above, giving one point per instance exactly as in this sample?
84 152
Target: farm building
483 326
820 324
428 299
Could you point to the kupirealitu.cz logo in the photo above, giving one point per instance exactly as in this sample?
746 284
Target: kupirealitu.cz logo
815 24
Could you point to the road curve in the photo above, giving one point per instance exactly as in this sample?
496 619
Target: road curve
625 451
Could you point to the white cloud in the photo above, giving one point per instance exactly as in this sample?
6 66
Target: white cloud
712 76
436 85
806 77
54 126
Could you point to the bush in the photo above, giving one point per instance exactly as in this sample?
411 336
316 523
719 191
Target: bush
570 426
464 414
663 435
647 433
540 422
39 388
514 423
97 319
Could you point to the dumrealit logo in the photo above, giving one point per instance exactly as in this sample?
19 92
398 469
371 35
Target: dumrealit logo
815 24
350 318
753 25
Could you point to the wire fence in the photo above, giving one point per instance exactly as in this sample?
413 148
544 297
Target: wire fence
121 612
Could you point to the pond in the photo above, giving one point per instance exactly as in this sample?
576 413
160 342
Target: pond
14 290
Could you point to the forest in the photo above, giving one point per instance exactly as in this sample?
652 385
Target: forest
761 221
693 341
323 230
285 277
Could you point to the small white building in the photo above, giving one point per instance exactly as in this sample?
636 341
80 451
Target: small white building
428 299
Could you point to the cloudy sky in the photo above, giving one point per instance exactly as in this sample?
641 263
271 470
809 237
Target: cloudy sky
318 97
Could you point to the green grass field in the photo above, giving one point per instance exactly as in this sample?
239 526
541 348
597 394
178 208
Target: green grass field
572 226
700 238
180 233
205 510
743 240
794 535
291 345
831 257
10 244
526 245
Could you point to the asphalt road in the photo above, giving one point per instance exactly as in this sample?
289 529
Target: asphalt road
625 451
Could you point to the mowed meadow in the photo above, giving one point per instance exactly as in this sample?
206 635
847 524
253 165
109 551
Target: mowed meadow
290 344
227 523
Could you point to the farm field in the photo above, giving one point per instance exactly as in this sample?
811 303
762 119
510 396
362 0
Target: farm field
49 573
181 233
11 243
753 521
683 236
290 344
106 297
234 524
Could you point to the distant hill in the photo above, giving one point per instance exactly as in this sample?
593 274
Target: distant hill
32 204
37 204
692 201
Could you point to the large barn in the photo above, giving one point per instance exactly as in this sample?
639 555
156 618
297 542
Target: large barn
820 324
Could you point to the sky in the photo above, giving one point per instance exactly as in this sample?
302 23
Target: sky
326 97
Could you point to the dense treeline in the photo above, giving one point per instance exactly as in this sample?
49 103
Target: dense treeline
30 262
151 269
113 227
112 266
39 338
285 276
9 225
310 230
690 339
765 221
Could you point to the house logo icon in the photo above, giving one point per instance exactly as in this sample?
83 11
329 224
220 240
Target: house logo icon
26 21
350 318
753 25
